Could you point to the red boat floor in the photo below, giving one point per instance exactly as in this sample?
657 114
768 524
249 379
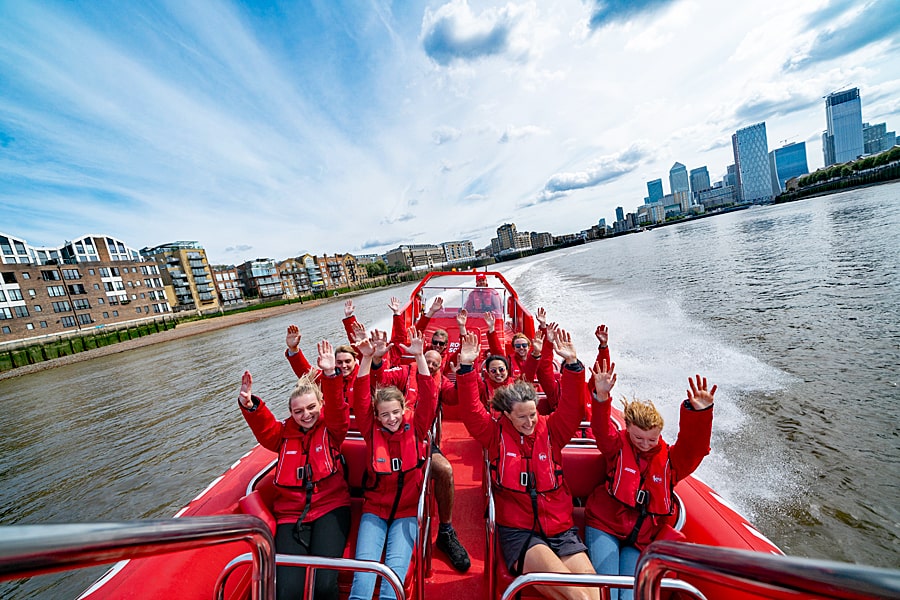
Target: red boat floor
466 456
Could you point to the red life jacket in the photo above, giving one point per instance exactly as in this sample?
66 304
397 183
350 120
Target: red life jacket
656 481
518 473
306 458
412 452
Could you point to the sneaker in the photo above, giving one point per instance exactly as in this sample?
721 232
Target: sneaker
449 544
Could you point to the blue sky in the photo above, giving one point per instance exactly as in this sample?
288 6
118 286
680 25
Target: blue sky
266 129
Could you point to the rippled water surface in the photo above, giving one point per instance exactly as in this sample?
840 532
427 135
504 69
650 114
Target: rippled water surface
793 310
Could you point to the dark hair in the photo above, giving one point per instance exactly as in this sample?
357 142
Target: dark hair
506 396
494 357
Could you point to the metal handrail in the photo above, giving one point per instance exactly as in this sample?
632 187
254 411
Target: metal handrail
313 563
590 580
773 576
423 514
29 550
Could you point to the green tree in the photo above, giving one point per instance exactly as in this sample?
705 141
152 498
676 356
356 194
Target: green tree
376 269
894 154
846 171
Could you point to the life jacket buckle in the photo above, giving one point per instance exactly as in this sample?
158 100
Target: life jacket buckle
641 498
523 479
396 464
304 473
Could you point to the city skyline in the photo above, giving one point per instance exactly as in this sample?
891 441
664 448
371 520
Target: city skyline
266 131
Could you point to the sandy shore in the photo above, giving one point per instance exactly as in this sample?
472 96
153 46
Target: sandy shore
183 330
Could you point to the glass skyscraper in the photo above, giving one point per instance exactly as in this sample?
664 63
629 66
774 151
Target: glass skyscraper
654 191
843 140
678 179
751 160
699 180
786 162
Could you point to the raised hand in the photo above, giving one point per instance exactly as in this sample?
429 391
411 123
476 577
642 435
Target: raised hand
245 396
380 341
358 331
541 316
394 305
326 360
469 349
698 395
348 309
462 317
489 320
537 344
604 379
564 346
437 305
416 345
551 332
602 334
367 348
292 339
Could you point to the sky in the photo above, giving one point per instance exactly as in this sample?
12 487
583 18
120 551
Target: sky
272 129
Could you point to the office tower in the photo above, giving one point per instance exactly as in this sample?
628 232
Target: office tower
876 138
678 179
699 180
843 140
751 160
787 162
730 177
620 213
654 191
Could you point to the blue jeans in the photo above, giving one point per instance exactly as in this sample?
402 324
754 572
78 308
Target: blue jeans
401 539
609 557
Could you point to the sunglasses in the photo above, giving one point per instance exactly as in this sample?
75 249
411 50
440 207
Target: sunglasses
438 343
497 370
520 345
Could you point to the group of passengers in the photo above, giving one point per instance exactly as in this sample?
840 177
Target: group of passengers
395 404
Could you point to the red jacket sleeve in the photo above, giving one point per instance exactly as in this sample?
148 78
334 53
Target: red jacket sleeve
426 405
398 336
567 417
267 430
548 379
692 445
603 354
495 346
605 431
474 416
448 393
298 363
337 411
362 406
349 322
422 323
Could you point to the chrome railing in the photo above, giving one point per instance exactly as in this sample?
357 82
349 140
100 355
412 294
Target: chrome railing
313 563
29 550
769 575
604 582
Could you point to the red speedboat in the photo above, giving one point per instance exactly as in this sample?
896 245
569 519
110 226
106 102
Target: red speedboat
223 566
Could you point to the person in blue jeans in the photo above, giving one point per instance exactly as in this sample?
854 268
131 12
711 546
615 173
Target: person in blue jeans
396 444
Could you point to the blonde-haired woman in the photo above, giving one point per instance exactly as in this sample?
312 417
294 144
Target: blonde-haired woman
312 503
633 505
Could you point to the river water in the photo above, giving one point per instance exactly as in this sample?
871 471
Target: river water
793 310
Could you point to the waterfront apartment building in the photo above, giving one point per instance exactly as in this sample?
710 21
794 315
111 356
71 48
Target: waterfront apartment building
717 197
52 297
678 179
184 266
787 162
458 251
259 279
877 139
416 256
751 159
654 191
699 180
843 139
228 285
543 239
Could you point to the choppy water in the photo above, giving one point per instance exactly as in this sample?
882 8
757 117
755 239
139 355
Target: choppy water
793 310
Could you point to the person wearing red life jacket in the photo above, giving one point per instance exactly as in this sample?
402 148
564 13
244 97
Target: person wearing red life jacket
396 441
404 378
534 507
345 357
483 299
635 503
312 501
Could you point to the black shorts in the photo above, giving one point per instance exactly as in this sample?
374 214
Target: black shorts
435 449
513 540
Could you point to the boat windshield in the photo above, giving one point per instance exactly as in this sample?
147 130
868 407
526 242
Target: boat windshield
459 292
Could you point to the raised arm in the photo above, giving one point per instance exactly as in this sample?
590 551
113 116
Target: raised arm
694 428
567 416
295 357
416 347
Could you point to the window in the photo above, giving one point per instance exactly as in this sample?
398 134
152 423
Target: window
76 289
115 313
43 324
62 306
106 315
5 313
96 286
20 311
37 308
104 272
67 321
100 301
81 304
143 295
71 274
50 275
91 272
29 325
113 301
14 294
2 296
6 329
9 277
56 290
137 309
85 319
115 271
26 275
130 284
32 293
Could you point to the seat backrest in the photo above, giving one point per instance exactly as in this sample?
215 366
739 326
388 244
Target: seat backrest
584 468
355 462
254 504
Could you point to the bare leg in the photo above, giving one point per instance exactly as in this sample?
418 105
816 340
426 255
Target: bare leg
442 475
541 558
